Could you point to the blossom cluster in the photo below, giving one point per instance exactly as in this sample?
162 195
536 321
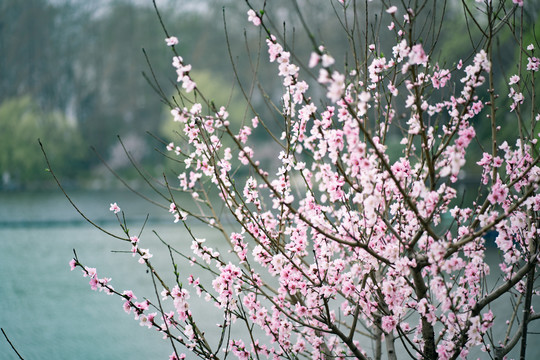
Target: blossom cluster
348 227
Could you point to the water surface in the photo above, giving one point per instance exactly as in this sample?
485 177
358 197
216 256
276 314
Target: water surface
50 313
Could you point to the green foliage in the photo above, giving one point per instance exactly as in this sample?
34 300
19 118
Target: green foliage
22 122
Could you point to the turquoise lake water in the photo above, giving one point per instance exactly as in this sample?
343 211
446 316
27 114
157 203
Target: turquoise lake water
49 312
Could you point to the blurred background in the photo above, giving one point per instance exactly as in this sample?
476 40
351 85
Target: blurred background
72 73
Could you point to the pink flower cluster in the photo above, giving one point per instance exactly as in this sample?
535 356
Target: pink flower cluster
358 218
182 71
95 282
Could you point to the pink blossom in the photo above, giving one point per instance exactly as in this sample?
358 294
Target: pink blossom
314 60
188 84
145 255
327 60
244 133
239 349
417 55
476 107
376 68
147 320
393 89
465 137
179 357
255 122
388 323
188 332
274 49
171 41
498 193
440 78
336 87
533 64
90 272
127 307
253 17
115 208
400 50
514 79
129 294
391 10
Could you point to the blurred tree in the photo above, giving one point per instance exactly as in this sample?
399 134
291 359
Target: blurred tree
84 58
37 53
22 122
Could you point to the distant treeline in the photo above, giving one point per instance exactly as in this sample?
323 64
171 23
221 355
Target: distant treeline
71 74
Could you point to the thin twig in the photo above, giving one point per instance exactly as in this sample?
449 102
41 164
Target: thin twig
49 169
13 347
